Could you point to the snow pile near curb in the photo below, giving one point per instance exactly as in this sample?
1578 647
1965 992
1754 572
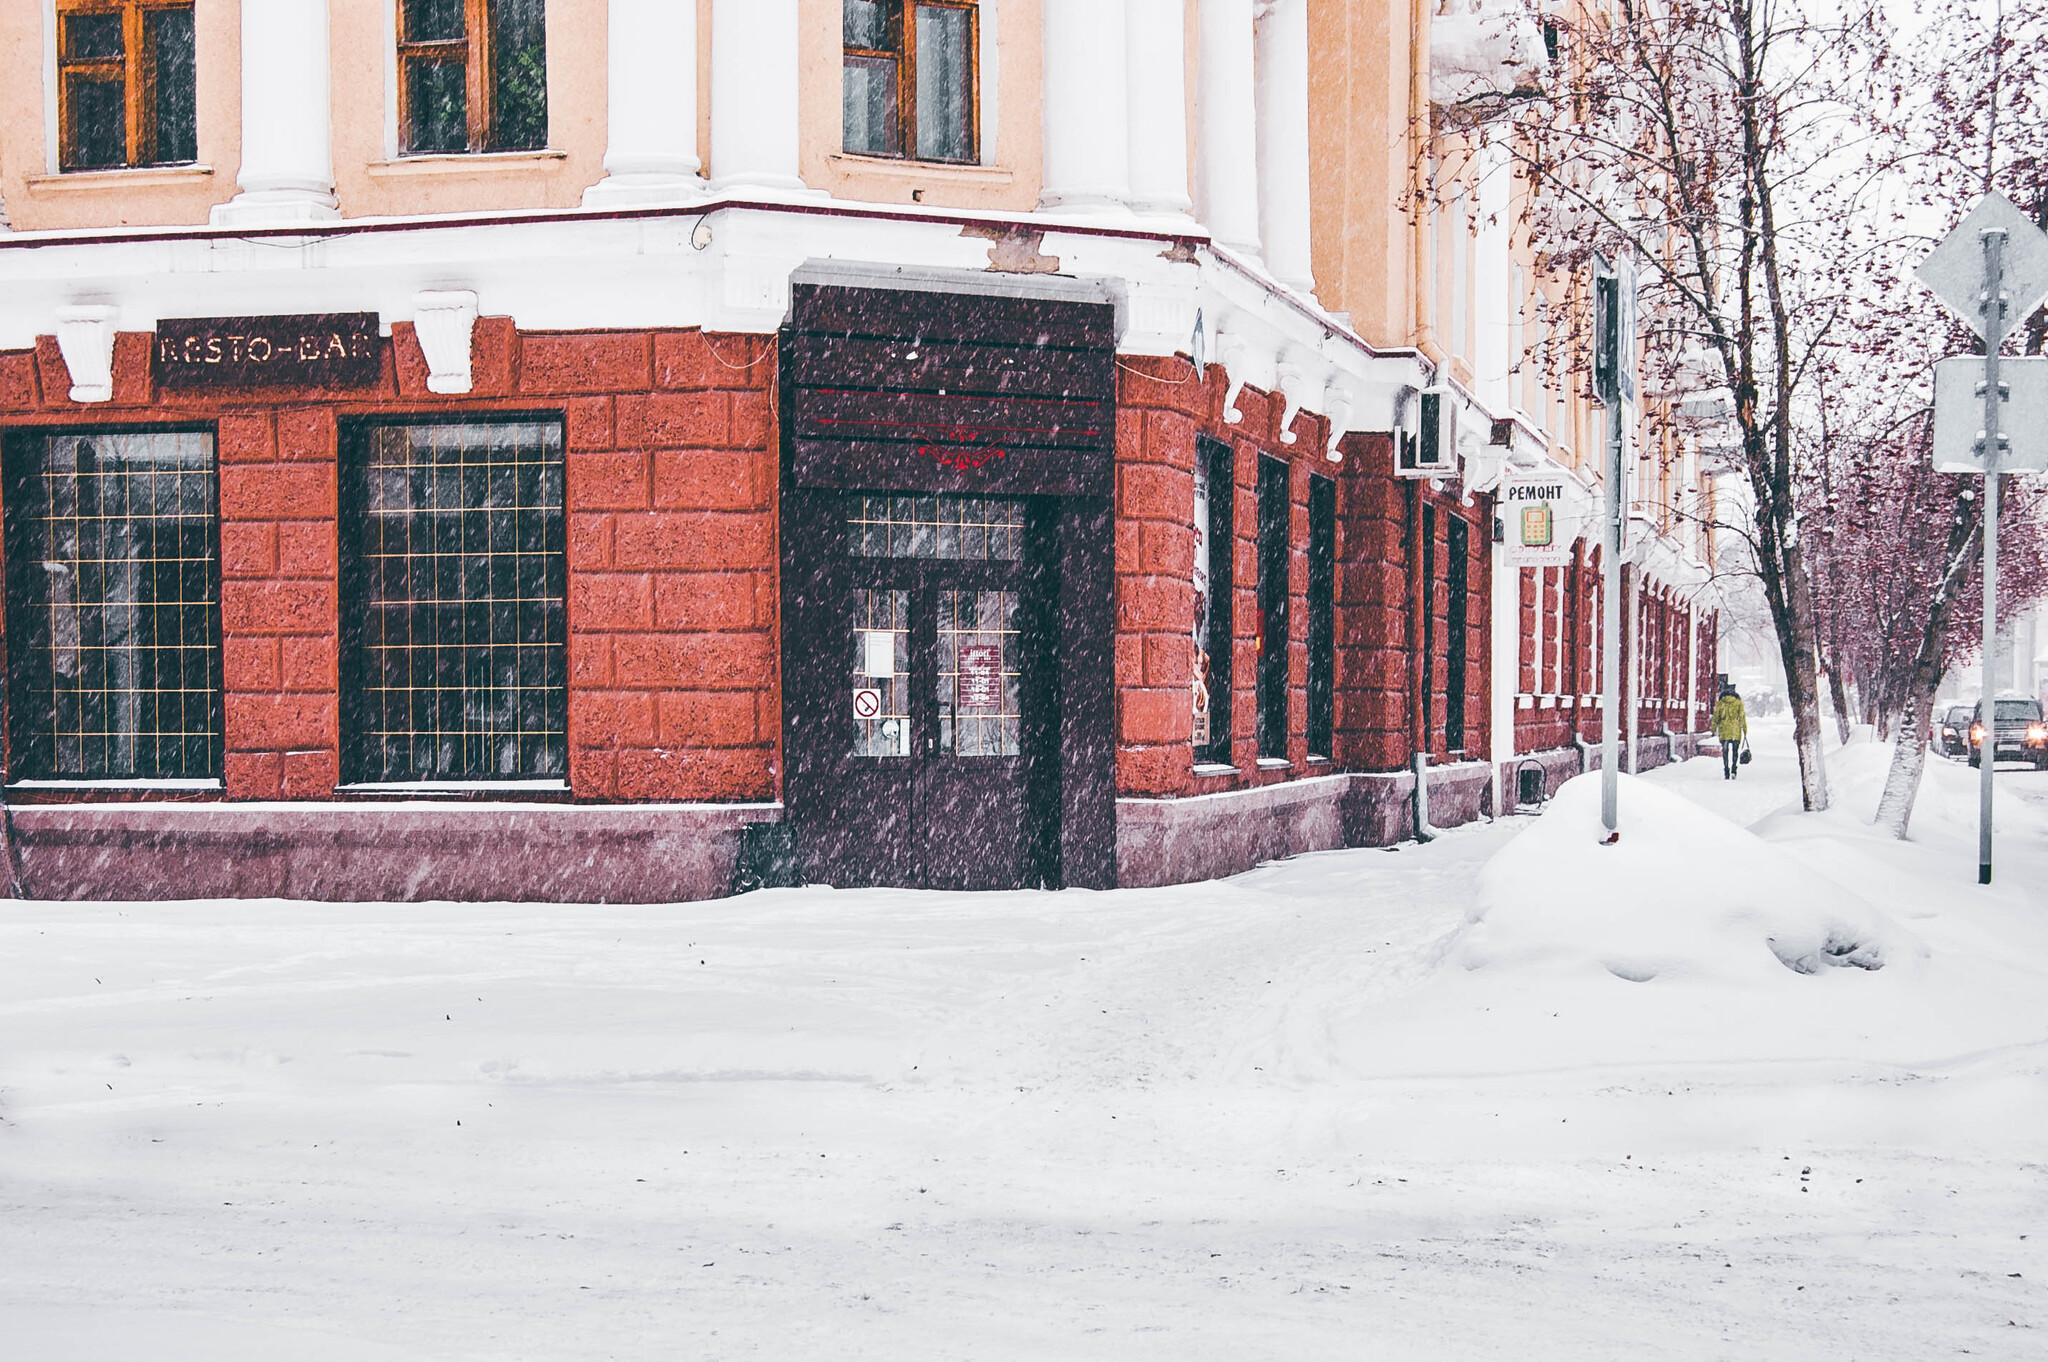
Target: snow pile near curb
1684 894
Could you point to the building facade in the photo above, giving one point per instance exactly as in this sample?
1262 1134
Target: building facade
505 448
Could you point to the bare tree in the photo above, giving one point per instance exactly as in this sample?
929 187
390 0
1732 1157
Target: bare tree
1728 145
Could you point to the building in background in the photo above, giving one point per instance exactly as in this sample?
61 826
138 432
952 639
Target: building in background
497 448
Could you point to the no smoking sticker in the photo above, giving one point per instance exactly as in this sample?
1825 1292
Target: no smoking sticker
867 704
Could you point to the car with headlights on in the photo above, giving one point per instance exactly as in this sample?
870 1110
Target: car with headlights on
2019 732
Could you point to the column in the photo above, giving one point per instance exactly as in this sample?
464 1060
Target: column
650 105
1226 121
754 125
287 172
1157 38
1086 117
1282 100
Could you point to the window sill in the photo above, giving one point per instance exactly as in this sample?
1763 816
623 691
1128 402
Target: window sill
937 172
1275 764
455 788
128 177
1318 761
1213 769
115 785
467 163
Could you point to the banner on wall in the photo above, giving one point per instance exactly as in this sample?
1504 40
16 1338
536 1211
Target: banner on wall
1540 516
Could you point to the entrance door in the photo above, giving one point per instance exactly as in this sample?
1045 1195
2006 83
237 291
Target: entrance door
933 674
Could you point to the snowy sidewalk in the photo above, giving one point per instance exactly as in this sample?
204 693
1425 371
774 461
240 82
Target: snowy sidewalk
1269 1117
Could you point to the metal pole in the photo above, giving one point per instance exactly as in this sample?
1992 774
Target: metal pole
1610 647
1994 336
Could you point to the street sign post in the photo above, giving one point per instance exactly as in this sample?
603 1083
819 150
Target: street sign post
1614 309
2012 265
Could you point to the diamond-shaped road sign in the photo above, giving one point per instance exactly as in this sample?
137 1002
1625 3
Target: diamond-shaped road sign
1959 414
1955 270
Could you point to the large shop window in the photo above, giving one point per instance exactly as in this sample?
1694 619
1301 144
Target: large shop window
1457 564
1322 614
1274 508
454 576
910 78
125 84
472 75
1214 634
113 607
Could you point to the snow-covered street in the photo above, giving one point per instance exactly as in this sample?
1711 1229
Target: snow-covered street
1281 1116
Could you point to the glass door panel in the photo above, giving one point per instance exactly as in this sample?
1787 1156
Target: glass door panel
979 675
880 693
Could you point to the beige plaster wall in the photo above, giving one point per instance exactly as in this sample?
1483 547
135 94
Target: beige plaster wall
38 200
1365 243
1007 180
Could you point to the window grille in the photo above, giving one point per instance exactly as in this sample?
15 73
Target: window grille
1215 598
113 606
473 75
909 81
125 84
951 527
454 586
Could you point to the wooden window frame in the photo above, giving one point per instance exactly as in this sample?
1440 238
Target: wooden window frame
138 84
904 54
478 92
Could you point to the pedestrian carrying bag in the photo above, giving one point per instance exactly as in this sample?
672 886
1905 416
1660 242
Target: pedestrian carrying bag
1744 758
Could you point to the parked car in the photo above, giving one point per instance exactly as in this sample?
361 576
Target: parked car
1952 730
2020 733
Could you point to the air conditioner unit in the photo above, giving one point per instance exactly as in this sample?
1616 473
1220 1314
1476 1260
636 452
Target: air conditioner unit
1430 450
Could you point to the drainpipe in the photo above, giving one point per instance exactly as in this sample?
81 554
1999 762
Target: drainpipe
1423 831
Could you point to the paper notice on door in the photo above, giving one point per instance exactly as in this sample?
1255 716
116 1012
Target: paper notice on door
878 652
981 676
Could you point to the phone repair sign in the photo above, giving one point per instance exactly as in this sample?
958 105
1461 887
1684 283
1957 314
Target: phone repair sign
1540 517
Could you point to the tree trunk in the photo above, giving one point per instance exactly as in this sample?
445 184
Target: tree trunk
1802 686
1909 752
1840 694
1902 782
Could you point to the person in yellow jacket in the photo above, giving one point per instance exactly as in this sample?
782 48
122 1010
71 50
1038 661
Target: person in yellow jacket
1731 726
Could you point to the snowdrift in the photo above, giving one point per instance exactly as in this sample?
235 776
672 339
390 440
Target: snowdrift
1684 894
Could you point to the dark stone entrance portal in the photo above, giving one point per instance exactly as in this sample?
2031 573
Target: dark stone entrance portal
946 533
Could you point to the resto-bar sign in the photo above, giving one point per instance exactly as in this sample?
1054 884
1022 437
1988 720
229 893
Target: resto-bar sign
335 350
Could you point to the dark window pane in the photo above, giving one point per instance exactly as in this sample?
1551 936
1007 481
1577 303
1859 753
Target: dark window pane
99 122
93 37
519 74
945 82
867 25
168 71
872 125
456 643
1322 584
437 106
1457 561
428 21
114 609
1274 507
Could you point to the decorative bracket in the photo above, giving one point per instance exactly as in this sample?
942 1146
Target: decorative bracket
1231 353
445 322
85 336
1337 400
